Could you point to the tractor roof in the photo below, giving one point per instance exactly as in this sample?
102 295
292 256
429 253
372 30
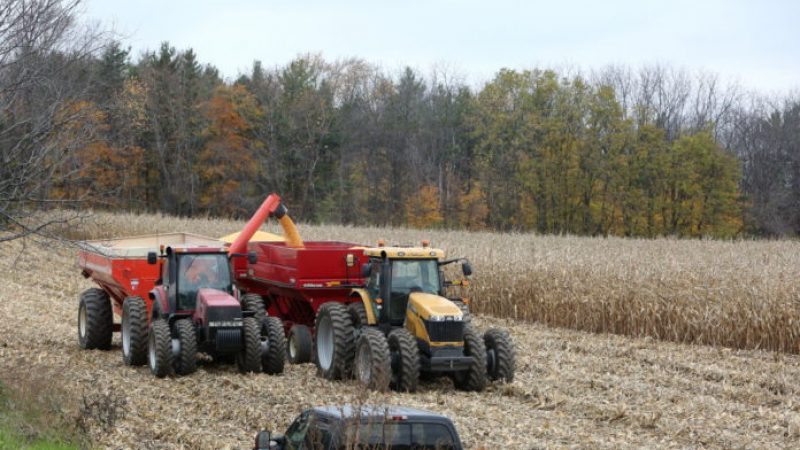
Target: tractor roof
195 248
405 252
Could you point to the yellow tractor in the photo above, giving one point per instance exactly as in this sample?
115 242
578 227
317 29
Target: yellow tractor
404 325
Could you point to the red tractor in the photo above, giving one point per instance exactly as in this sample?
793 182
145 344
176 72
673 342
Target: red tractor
175 296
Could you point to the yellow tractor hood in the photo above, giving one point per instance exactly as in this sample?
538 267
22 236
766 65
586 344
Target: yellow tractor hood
427 305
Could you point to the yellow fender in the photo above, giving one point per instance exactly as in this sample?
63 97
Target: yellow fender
369 306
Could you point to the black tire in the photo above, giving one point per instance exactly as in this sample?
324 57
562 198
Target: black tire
134 331
273 358
186 360
159 348
404 356
254 302
335 342
466 315
299 345
358 314
372 362
501 357
95 320
474 378
249 357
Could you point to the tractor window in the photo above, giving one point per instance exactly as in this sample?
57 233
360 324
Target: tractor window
374 282
197 271
415 275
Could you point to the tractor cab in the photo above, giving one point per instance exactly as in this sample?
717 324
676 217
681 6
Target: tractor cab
185 272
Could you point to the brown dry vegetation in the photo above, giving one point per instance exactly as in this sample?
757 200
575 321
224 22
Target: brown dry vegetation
573 389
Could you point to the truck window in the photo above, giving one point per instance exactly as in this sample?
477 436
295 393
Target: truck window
433 436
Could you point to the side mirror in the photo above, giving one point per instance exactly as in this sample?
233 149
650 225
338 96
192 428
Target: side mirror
262 440
152 257
466 269
366 270
252 258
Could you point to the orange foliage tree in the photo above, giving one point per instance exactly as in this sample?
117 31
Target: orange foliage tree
228 158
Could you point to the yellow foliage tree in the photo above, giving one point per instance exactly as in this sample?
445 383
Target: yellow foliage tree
422 210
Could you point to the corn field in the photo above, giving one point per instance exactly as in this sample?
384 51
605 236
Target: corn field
740 294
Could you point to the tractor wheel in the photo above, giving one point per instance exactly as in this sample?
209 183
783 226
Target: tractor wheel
405 360
159 348
335 341
501 358
466 315
95 320
134 331
474 378
373 368
186 360
299 347
249 358
358 314
274 357
254 302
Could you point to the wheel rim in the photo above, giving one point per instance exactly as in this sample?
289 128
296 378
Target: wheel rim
292 347
126 335
151 350
325 343
82 321
363 365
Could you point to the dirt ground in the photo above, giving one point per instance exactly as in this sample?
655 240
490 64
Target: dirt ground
572 390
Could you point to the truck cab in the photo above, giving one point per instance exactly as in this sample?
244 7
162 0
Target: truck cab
373 427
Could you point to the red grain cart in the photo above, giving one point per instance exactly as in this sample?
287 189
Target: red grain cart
295 281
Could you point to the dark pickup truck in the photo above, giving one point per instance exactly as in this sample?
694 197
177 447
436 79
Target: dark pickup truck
372 427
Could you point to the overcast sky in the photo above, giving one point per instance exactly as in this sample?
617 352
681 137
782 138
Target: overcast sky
756 43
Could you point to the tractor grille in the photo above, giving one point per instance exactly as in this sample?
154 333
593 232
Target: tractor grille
228 340
447 331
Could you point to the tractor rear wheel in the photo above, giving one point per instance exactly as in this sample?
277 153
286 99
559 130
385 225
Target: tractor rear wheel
358 314
249 357
299 347
501 357
405 360
273 358
473 378
159 348
334 341
372 366
254 302
186 360
95 320
134 331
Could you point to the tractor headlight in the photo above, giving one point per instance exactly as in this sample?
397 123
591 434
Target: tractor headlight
439 318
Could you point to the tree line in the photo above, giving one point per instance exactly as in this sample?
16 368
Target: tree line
648 152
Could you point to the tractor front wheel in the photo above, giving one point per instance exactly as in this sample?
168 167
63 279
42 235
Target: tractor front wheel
372 366
273 358
134 331
186 359
334 341
249 357
95 320
299 347
159 348
473 378
501 358
405 360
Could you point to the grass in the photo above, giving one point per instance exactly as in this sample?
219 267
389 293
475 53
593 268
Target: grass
739 294
28 420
